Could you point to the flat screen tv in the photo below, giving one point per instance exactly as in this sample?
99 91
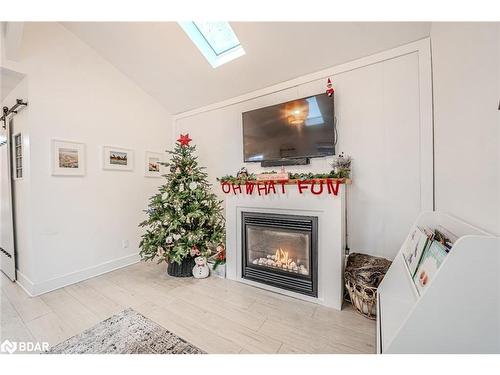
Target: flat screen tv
302 128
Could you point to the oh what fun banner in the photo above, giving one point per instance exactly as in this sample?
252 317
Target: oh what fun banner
316 187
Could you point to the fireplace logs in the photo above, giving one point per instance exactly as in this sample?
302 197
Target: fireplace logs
282 261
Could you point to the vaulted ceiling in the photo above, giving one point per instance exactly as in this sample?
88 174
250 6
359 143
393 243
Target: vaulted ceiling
9 79
163 61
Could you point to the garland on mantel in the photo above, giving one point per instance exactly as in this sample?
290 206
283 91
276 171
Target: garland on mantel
241 180
316 183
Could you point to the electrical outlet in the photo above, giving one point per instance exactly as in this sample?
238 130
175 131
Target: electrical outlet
124 244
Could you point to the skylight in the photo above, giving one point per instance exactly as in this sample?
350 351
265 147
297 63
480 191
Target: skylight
215 40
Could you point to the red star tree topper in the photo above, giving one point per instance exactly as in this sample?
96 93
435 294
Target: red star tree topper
184 140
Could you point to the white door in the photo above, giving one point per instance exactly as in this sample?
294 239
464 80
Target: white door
7 249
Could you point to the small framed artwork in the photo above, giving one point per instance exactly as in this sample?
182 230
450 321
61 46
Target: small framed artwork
68 158
152 166
117 158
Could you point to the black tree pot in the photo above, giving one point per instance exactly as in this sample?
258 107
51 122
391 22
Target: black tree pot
185 269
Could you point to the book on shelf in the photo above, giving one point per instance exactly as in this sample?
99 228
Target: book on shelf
432 258
413 248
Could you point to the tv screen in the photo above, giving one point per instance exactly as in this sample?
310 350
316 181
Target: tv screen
297 129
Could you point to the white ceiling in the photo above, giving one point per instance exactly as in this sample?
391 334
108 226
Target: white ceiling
162 60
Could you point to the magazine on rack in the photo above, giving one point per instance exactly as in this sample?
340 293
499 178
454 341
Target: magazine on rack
413 248
432 258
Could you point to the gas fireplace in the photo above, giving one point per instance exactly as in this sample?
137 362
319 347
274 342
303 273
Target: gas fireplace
281 251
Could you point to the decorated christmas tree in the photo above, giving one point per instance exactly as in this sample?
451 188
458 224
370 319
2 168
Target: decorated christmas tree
185 217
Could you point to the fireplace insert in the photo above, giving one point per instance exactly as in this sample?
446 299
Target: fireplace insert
281 251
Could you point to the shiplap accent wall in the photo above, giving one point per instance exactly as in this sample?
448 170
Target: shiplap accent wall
384 112
466 75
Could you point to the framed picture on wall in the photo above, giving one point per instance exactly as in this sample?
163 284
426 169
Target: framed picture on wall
152 167
68 158
117 158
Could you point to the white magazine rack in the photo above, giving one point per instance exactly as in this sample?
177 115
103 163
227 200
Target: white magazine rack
459 312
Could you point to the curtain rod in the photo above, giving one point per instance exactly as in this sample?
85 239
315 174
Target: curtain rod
13 109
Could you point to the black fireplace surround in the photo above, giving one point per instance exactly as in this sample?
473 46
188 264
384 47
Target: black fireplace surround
281 251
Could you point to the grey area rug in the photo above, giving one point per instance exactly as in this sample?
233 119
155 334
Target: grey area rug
125 333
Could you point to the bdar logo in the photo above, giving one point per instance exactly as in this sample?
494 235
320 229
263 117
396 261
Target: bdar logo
8 346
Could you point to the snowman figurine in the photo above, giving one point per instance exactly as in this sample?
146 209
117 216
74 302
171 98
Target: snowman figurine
200 270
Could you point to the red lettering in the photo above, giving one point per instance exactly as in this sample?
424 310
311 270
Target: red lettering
270 186
226 187
249 187
302 185
331 188
236 187
262 187
313 183
282 188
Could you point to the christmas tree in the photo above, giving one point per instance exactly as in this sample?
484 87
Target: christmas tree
185 217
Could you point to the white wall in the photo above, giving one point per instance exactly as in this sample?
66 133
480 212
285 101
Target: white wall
383 106
466 77
78 223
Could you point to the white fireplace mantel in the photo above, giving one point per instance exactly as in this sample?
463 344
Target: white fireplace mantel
330 211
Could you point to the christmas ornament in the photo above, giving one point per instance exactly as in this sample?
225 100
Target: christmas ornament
184 140
329 88
194 251
181 188
219 259
193 185
242 173
200 270
177 170
169 239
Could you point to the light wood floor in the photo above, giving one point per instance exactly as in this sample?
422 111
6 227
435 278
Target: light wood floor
217 315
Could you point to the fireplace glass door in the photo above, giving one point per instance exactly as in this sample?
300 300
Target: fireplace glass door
280 250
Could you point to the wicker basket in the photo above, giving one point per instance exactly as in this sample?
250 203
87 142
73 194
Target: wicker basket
363 298
363 274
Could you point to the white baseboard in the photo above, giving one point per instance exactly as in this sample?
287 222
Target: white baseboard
24 283
36 289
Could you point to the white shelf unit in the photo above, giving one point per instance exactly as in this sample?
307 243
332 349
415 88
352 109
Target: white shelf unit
459 312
